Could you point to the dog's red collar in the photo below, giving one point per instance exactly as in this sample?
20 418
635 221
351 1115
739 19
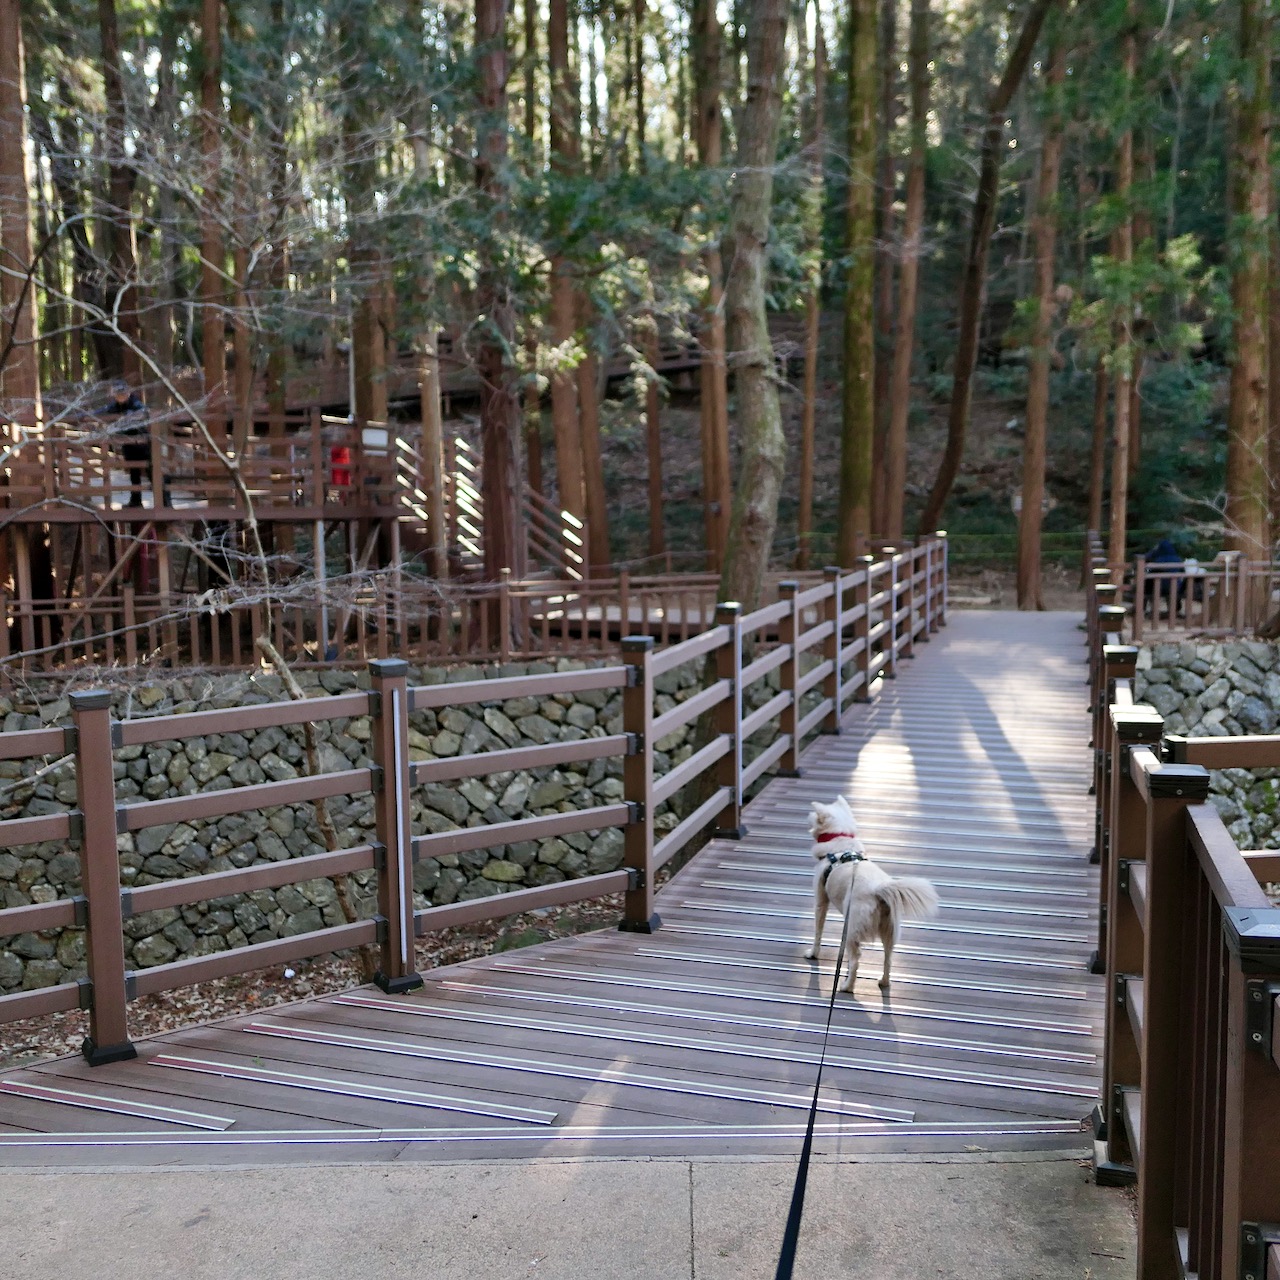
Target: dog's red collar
836 835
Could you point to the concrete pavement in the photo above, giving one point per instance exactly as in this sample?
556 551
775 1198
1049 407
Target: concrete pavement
1007 1218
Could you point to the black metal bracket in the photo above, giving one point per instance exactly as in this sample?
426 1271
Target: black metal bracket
126 904
80 905
397 986
130 984
117 735
1122 875
85 993
1122 981
635 878
375 703
635 811
377 779
635 743
1259 1014
379 856
75 824
122 819
1255 1237
71 739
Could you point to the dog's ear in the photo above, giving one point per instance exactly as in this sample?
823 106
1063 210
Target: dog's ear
820 815
848 812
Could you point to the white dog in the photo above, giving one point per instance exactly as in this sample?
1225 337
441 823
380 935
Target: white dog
874 904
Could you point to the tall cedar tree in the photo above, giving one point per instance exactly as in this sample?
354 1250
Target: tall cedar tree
764 446
1247 498
858 426
908 281
1122 346
565 124
500 482
705 39
973 284
19 358
212 258
813 290
1044 234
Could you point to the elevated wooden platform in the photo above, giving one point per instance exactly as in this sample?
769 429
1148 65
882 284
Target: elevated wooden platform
971 768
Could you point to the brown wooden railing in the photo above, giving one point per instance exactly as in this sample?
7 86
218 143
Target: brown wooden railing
383 613
1190 945
829 643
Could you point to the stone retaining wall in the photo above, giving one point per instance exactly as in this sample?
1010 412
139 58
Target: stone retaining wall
1222 689
43 872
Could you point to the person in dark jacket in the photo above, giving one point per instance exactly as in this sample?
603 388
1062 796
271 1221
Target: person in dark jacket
136 448
1165 555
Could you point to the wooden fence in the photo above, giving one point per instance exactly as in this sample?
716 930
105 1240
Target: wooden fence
828 643
1190 945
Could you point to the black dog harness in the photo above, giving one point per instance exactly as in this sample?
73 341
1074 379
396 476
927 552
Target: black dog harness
834 859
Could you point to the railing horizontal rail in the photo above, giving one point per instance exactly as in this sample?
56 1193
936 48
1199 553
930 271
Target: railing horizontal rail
689 650
1229 876
34 830
483 763
257 955
262 795
518 901
684 831
465 839
431 697
267 715
767 759
26 743
62 913
270 875
41 1001
683 712
687 770
763 665
769 711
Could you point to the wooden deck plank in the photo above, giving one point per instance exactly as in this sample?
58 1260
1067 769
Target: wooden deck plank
965 770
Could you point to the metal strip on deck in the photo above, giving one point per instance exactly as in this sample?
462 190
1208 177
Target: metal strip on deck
967 770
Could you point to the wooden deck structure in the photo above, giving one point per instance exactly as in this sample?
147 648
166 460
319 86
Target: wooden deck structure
971 767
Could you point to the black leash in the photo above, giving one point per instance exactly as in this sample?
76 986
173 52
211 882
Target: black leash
791 1236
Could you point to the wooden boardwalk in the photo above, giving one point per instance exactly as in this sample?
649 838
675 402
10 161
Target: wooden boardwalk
702 1039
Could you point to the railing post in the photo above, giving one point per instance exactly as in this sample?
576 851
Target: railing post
504 616
638 914
862 627
1170 789
397 966
107 984
1251 1088
909 648
789 678
728 719
1120 935
1108 626
1140 604
1119 662
891 612
946 568
833 683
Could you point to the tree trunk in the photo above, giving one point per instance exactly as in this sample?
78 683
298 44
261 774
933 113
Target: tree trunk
212 265
1044 234
858 428
653 433
1122 358
1273 363
532 391
433 476
1247 497
713 376
973 283
886 256
908 282
20 368
499 410
1098 447
592 457
565 421
1143 232
764 446
278 145
813 294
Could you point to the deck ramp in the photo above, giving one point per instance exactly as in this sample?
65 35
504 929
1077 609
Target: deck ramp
971 768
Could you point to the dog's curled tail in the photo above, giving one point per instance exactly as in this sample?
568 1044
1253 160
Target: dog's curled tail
909 898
